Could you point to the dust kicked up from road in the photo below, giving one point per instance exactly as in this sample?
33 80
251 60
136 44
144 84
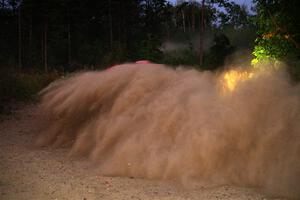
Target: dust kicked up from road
151 121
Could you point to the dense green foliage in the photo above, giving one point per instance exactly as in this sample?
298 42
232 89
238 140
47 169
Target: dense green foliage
278 32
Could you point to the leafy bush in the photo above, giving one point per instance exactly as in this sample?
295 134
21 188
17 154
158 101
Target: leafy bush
148 49
186 57
216 55
22 86
294 69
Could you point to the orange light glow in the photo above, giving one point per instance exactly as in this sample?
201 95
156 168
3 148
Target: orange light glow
233 77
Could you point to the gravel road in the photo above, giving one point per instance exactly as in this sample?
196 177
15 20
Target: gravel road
40 174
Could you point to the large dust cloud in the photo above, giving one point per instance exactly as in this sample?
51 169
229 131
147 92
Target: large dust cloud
151 121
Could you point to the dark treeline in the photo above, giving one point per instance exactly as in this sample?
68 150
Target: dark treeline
60 32
70 34
40 39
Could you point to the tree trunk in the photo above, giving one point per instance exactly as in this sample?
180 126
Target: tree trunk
189 24
176 16
69 44
45 46
124 29
120 26
201 33
69 40
110 26
30 38
193 18
20 38
183 20
42 45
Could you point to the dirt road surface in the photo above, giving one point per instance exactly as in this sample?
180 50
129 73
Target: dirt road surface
43 174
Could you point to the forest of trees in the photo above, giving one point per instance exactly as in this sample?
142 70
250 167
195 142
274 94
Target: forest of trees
40 40
71 34
66 35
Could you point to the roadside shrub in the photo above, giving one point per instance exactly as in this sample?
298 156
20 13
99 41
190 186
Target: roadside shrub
186 57
22 86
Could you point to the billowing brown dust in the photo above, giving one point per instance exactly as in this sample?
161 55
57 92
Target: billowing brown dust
156 122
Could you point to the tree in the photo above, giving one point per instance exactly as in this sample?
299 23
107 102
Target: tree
67 34
218 52
278 30
202 25
19 37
